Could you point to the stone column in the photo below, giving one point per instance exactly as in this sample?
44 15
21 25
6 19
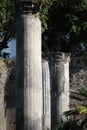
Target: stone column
46 96
62 70
29 72
60 84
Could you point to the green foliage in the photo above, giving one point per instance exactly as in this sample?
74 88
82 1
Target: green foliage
7 23
77 116
57 17
46 4
69 124
6 12
80 109
69 17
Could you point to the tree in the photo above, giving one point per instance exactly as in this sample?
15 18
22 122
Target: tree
7 23
8 17
64 23
67 20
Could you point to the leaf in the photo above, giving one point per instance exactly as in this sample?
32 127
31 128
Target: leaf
71 112
82 109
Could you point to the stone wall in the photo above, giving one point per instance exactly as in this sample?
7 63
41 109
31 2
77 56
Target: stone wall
10 97
3 79
7 95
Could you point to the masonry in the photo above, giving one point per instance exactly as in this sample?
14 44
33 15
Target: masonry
7 95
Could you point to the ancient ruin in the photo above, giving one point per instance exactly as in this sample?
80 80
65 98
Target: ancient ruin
29 73
40 94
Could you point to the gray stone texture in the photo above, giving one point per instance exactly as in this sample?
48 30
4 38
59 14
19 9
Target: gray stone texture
46 95
3 79
29 74
7 95
10 97
59 72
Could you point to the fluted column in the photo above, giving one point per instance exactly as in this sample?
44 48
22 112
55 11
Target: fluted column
29 73
60 84
46 96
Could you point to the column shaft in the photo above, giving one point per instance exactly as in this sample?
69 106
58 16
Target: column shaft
46 96
29 73
60 85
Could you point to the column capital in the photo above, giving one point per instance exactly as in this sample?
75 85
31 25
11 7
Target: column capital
60 57
27 7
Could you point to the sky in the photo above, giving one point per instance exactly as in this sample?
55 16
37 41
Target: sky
11 49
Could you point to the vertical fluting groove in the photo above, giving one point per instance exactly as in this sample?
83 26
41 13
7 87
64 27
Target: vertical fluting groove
32 73
46 95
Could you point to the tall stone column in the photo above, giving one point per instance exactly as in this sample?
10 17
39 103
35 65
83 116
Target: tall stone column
46 96
60 84
29 72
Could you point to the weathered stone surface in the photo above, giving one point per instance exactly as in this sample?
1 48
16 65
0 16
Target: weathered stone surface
3 79
29 74
46 95
10 97
10 120
7 95
59 70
